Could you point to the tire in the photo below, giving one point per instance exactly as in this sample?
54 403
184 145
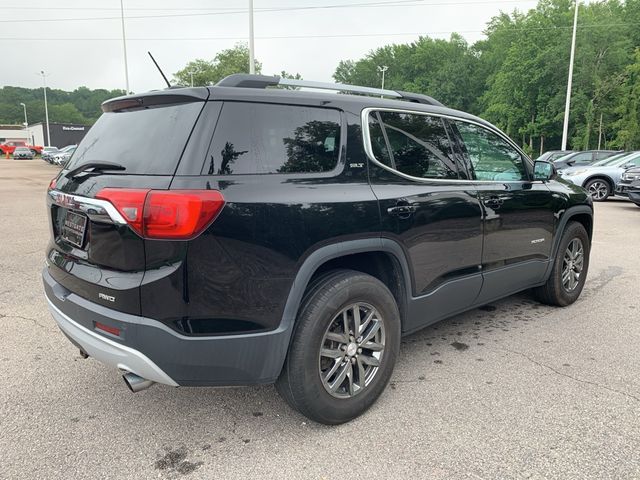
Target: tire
562 293
306 379
599 189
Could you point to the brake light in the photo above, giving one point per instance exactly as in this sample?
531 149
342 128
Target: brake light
53 182
166 214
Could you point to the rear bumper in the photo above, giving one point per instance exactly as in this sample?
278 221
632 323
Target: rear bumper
154 351
107 351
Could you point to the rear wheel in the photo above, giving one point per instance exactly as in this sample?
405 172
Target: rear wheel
599 189
570 268
343 349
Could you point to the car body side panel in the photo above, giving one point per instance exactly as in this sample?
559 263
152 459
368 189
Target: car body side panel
241 269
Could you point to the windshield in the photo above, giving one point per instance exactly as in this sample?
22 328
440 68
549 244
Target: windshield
145 141
567 156
611 160
622 161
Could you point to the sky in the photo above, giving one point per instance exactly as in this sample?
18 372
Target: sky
79 42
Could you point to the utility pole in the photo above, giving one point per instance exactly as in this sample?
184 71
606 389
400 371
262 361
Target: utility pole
565 127
382 68
26 123
124 48
600 132
46 108
252 61
191 74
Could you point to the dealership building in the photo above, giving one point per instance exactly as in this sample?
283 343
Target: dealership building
62 134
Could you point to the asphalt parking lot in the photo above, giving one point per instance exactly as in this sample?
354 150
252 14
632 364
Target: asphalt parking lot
511 390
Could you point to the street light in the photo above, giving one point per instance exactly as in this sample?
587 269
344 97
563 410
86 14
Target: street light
252 61
124 48
382 68
26 122
46 108
565 126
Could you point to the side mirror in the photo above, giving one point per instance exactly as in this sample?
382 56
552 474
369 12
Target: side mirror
543 170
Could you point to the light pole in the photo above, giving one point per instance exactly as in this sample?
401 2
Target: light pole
191 74
252 61
382 69
565 127
26 122
46 107
124 48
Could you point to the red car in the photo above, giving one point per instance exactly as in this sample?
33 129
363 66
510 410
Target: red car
9 147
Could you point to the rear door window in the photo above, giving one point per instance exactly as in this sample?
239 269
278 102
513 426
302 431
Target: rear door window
260 138
416 144
145 141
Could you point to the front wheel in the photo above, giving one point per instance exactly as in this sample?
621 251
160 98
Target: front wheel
570 268
343 349
599 189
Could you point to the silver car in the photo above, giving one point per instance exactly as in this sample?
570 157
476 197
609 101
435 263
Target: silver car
600 178
64 155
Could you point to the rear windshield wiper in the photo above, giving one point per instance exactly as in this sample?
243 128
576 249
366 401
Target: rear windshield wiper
94 166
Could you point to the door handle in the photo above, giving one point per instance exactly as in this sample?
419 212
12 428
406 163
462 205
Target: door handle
402 210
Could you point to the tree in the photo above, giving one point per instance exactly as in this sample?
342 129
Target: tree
443 69
210 72
79 106
628 108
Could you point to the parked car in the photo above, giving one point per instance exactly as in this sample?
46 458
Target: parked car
581 159
629 181
9 147
22 153
633 192
600 180
48 153
64 155
553 155
239 234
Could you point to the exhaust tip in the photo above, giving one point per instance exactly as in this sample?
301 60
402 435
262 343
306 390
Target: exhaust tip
136 383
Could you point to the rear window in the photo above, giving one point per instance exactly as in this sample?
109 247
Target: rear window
147 141
258 138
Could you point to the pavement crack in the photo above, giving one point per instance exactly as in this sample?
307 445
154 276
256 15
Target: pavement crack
33 320
575 379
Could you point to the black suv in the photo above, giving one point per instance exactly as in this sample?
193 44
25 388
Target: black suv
241 234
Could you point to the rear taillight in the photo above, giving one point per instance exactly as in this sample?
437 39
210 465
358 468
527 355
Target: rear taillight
166 214
53 182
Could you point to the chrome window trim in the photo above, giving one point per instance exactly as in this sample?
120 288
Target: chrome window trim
364 120
96 209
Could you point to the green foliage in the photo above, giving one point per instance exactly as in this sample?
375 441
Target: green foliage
442 68
628 125
209 72
517 76
80 106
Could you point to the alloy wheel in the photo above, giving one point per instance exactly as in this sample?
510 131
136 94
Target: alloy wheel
572 265
351 350
598 189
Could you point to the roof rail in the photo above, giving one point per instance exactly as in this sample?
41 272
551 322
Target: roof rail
263 81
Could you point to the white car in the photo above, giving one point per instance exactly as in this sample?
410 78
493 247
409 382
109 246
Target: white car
600 178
